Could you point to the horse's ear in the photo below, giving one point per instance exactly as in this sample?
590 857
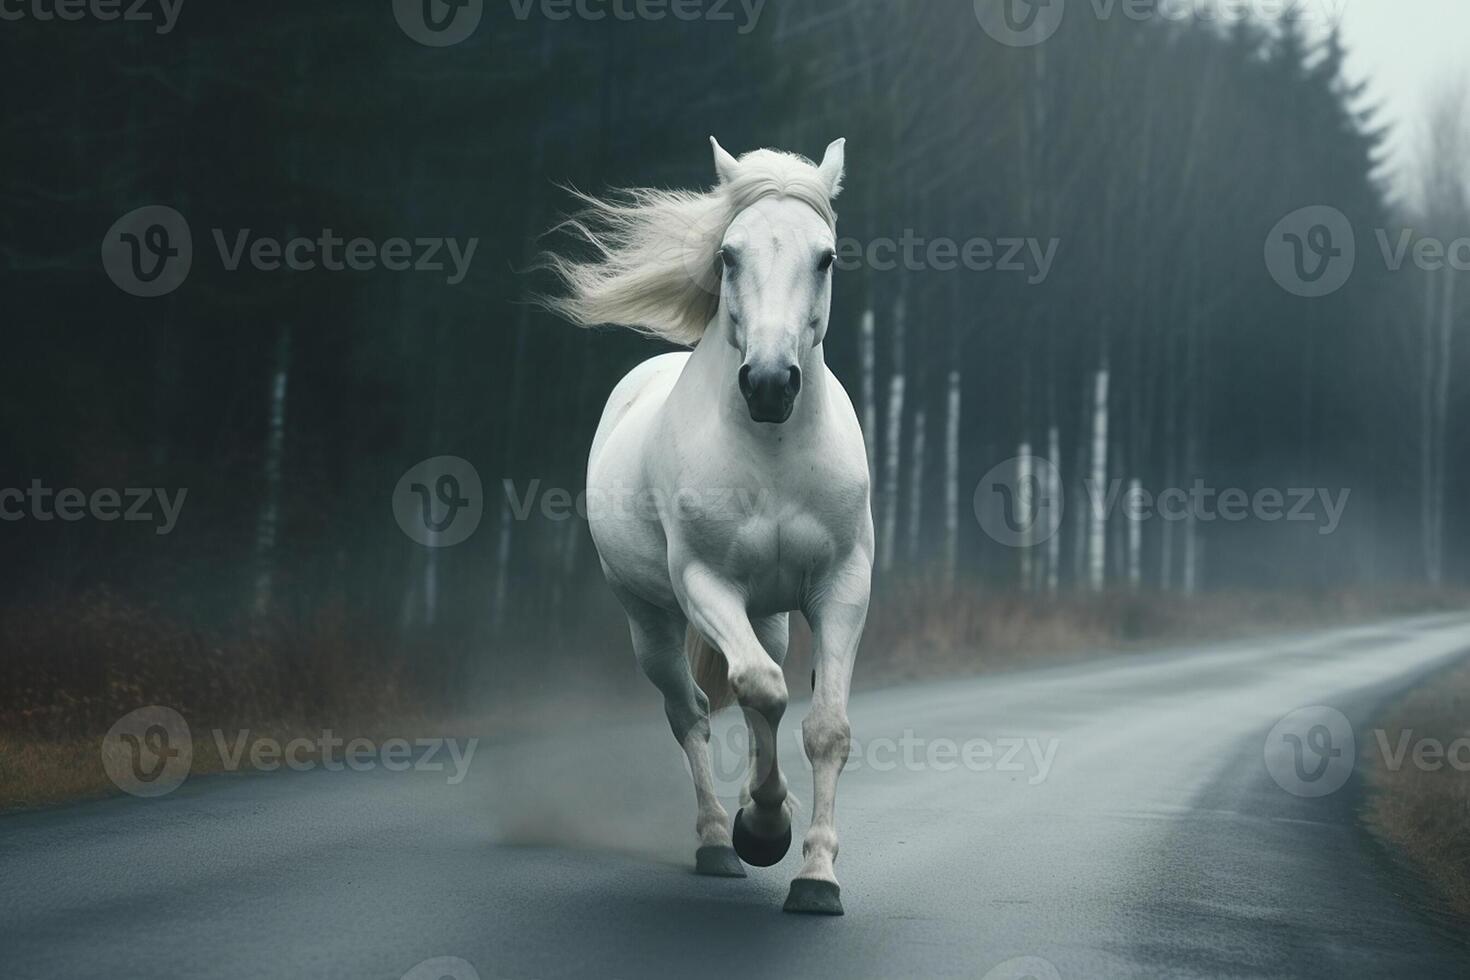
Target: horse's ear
832 166
725 164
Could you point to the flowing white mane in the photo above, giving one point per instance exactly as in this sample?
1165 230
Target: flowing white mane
657 268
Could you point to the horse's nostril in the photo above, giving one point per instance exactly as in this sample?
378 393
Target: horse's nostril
746 388
793 383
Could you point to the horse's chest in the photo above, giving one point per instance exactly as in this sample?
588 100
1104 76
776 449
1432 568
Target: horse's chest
768 541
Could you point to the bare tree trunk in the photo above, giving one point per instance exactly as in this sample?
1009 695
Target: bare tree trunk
502 562
431 588
916 489
1098 537
1026 507
952 481
867 354
893 444
1053 497
267 527
1171 467
1135 539
1117 529
1193 388
1427 530
1441 411
1191 555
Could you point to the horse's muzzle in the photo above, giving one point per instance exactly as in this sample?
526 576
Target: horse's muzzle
770 393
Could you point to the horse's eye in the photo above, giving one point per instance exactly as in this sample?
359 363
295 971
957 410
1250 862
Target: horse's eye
727 257
826 261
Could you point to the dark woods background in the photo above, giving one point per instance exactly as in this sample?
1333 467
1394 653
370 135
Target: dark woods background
289 403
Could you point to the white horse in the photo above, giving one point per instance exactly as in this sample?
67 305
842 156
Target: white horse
728 486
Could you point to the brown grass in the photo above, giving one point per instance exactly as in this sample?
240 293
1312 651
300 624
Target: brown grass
70 668
922 629
1426 814
35 773
41 772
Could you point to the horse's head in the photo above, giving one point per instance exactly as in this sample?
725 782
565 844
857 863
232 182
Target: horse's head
776 261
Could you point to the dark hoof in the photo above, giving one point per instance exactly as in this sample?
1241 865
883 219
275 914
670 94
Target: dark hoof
721 862
812 896
761 852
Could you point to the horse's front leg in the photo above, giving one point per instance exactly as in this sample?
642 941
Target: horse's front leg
837 613
762 830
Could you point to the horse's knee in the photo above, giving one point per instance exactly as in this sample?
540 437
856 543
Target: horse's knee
827 736
688 719
761 687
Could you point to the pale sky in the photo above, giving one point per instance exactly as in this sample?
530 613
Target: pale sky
1405 50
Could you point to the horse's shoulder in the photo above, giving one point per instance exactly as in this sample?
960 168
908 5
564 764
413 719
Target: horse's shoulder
845 416
646 380
660 366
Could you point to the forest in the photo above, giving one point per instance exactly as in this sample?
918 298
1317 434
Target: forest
1066 268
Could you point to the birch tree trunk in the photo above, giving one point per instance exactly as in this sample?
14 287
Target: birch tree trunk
1053 497
1427 531
1191 555
502 562
1135 539
267 526
1171 467
916 489
892 446
1441 411
868 356
952 481
1026 508
1098 537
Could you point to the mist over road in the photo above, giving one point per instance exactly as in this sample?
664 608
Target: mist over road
1117 818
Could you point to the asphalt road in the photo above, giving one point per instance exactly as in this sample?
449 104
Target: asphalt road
1112 819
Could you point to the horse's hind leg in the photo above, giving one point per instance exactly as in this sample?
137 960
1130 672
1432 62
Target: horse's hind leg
658 640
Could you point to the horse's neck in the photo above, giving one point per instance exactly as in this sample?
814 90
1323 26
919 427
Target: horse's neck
709 385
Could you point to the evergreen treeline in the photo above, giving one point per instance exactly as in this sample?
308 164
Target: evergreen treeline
1158 157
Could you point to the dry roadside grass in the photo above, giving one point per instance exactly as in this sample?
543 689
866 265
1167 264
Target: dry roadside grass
922 630
1424 813
42 772
36 772
70 669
